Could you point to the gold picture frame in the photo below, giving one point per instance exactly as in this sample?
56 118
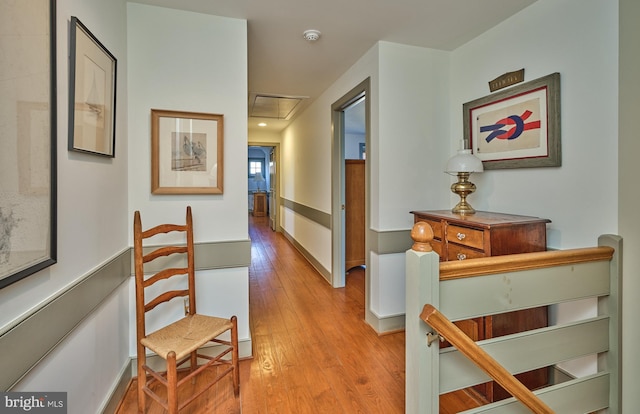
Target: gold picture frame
186 152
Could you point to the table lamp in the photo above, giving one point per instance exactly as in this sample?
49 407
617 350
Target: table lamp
463 164
258 178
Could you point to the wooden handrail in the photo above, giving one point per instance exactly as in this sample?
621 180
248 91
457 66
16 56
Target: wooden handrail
522 261
483 360
422 235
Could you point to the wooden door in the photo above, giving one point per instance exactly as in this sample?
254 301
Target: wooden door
354 213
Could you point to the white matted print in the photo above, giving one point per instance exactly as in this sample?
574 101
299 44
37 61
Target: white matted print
512 129
518 127
92 93
187 152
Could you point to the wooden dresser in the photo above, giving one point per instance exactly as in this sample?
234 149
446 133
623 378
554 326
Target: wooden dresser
259 204
483 234
459 237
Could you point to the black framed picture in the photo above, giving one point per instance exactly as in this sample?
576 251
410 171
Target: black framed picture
92 93
28 115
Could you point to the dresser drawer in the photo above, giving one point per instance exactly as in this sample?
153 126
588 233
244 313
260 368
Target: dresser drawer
437 247
466 236
457 252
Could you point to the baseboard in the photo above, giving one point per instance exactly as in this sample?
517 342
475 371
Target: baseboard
385 325
310 258
119 390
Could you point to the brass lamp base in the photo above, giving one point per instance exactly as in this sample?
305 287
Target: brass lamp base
463 188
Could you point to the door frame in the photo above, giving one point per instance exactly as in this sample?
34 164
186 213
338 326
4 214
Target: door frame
338 271
276 147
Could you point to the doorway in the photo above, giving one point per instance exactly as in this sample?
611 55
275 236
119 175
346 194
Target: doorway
267 154
354 185
356 98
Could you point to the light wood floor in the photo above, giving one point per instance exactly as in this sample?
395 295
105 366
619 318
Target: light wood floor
313 352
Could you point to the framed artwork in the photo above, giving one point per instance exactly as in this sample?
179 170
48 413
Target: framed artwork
28 145
186 152
92 93
518 127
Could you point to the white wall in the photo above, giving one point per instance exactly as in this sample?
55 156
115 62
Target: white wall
408 139
578 39
93 227
87 364
412 143
414 134
352 145
257 135
188 61
548 37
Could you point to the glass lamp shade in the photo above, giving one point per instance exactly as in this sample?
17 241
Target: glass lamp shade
258 178
464 161
462 165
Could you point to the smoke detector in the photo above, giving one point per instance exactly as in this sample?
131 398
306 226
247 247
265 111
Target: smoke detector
311 35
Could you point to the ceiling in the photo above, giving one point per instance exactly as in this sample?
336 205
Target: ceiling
282 63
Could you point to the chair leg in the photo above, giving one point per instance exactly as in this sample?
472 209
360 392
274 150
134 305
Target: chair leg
142 380
235 356
172 384
194 365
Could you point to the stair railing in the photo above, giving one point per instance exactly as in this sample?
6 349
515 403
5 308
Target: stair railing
487 286
483 360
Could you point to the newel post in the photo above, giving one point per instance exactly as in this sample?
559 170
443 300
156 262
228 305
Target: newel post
422 362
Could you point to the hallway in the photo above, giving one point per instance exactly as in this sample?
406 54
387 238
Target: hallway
312 351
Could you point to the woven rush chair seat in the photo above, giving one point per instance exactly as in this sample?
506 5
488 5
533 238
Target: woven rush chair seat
186 335
178 342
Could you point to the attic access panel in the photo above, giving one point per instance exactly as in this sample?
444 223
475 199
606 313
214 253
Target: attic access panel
278 107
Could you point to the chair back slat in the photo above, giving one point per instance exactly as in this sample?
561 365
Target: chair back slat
165 274
164 251
163 228
165 297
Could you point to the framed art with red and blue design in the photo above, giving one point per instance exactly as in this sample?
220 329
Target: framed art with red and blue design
517 127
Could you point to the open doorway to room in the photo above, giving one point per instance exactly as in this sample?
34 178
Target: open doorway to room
350 184
263 175
354 184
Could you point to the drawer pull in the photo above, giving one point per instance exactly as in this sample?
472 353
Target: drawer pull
461 236
461 256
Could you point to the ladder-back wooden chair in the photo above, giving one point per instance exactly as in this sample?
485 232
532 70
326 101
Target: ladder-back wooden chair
179 341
